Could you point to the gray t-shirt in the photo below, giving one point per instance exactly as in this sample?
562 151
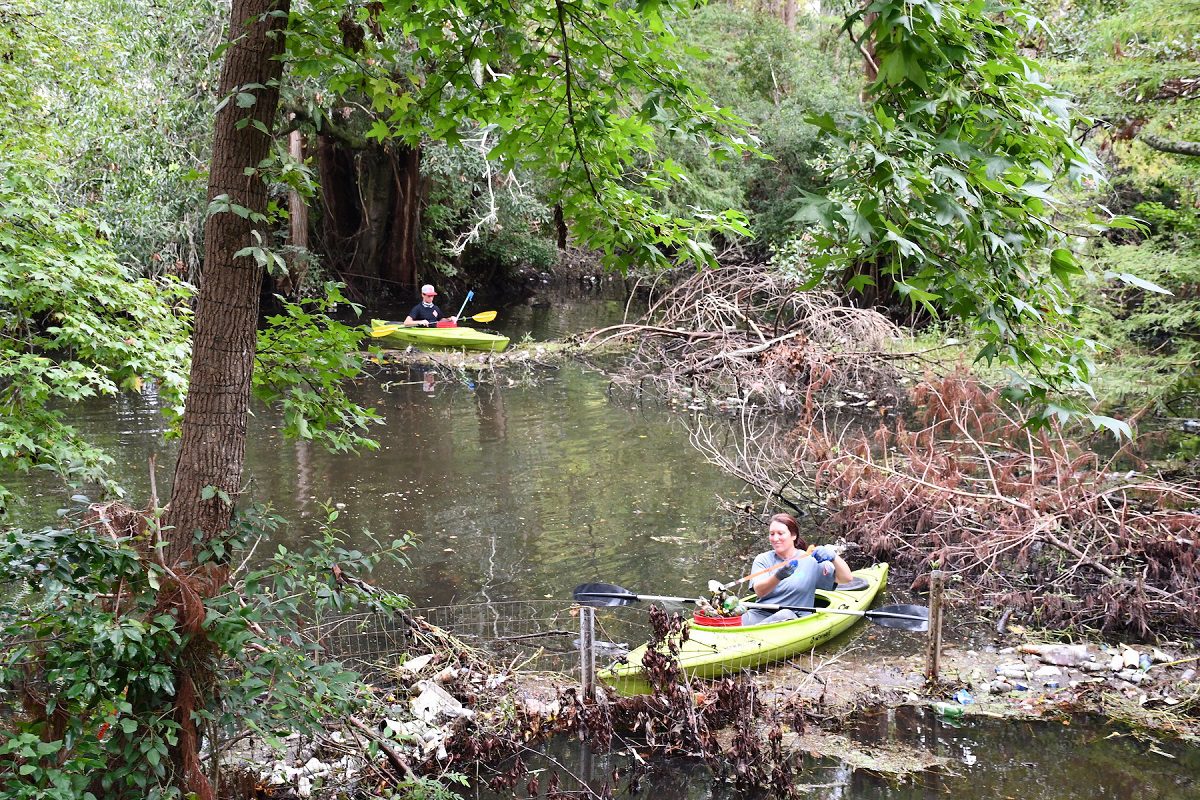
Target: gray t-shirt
798 589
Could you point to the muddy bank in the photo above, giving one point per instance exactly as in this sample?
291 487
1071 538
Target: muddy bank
446 713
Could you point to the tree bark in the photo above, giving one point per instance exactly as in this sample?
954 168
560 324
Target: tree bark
1165 145
213 433
372 198
291 284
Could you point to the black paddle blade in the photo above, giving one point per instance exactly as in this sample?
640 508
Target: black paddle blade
902 617
602 595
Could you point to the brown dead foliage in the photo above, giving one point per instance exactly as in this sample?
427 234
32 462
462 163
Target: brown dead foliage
1026 520
741 334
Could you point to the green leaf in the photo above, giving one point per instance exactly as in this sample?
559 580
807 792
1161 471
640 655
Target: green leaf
1118 428
1141 283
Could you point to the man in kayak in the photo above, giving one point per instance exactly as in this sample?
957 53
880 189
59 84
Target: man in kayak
801 573
425 312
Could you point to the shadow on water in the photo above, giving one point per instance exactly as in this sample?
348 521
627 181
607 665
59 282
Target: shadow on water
985 760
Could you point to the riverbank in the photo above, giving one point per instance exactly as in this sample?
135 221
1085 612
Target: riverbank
449 712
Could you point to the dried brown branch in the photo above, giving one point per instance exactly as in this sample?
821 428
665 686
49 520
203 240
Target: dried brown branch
742 335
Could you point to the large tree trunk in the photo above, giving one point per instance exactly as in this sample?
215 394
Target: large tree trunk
213 444
372 199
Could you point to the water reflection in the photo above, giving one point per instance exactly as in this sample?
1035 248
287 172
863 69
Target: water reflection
988 759
514 491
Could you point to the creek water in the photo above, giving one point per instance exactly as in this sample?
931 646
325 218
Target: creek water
1080 758
521 490
515 489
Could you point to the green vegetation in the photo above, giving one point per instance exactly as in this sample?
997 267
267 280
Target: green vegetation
460 134
1133 66
81 660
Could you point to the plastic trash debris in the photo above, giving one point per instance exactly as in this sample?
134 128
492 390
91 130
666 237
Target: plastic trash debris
1061 655
964 697
948 710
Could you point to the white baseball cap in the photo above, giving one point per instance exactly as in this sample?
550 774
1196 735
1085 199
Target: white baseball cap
428 289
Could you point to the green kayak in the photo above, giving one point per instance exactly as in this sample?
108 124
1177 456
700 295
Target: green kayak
711 652
460 338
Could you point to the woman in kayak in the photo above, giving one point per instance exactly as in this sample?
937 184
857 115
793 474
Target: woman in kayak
795 583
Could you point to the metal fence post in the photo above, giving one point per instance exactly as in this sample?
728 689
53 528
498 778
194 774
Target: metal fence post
587 651
934 660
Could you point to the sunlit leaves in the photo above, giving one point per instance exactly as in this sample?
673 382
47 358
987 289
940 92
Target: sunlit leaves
949 183
575 93
74 324
303 361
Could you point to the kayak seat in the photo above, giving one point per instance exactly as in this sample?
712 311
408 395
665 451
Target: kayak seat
854 585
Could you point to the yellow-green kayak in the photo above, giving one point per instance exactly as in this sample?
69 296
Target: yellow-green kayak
460 338
711 652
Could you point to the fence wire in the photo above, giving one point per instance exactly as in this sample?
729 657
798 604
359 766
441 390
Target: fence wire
541 635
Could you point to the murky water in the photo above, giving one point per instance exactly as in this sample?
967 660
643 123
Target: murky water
514 490
1079 759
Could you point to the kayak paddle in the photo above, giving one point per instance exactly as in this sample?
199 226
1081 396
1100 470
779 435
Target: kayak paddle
388 328
902 617
463 307
717 586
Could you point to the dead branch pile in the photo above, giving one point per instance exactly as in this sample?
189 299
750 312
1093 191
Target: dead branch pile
1028 520
743 335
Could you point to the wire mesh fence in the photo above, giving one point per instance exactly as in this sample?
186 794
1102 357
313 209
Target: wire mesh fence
541 635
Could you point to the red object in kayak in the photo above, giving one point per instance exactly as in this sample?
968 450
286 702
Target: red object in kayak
717 622
447 323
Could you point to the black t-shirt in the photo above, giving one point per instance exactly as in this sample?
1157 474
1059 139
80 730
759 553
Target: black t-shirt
431 314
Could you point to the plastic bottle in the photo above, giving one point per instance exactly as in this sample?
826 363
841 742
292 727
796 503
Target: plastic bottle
948 710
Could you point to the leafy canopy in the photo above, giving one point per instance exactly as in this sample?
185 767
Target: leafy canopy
948 189
571 92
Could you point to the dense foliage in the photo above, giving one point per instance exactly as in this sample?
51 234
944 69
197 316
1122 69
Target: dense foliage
571 93
775 78
74 321
86 640
947 193
1133 66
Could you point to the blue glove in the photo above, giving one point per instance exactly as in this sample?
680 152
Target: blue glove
823 554
787 569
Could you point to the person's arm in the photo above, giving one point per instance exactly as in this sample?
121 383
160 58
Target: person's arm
410 322
841 570
765 584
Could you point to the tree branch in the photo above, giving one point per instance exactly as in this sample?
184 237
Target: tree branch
1165 145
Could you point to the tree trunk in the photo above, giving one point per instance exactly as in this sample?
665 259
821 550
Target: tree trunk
213 442
372 201
297 259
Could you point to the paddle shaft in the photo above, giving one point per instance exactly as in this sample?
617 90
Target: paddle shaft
754 575
759 606
463 307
